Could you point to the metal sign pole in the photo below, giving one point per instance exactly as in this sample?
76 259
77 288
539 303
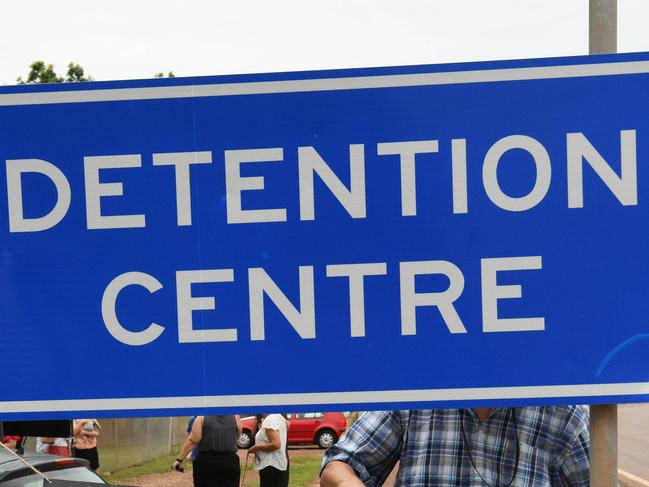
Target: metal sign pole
603 445
602 26
602 39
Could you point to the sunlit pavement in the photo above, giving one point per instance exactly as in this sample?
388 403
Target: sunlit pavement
633 445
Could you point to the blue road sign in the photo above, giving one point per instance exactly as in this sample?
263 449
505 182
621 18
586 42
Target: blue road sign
454 235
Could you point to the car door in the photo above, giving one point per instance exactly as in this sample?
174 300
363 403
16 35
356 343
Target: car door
301 428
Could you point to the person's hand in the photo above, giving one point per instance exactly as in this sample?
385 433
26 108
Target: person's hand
176 466
253 450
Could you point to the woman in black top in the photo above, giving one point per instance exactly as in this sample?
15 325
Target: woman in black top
215 437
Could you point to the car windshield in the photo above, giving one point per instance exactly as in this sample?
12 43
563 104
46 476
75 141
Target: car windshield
77 473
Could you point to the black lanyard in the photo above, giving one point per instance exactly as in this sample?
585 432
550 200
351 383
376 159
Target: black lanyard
468 450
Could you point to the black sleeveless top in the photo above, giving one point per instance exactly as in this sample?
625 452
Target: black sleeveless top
219 434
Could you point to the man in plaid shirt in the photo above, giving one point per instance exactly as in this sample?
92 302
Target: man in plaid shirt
502 447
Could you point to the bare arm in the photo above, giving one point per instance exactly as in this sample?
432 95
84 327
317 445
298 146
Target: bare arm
193 439
339 474
238 420
196 434
77 425
184 451
275 442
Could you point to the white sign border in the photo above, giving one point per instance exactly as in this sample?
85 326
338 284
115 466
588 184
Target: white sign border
325 84
315 85
325 398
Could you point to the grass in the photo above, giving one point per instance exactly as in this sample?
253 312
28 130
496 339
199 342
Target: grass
157 465
304 470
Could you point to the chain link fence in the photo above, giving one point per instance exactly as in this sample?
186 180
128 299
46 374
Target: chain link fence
131 441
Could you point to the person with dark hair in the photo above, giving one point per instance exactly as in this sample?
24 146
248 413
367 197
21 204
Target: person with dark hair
542 446
217 463
271 458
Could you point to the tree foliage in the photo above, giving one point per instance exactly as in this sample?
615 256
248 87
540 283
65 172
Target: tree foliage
39 72
76 73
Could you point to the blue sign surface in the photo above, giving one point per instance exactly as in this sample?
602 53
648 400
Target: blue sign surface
470 234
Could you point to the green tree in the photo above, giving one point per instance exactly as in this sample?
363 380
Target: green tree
75 73
170 74
39 72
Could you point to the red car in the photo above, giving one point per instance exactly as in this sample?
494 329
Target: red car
322 429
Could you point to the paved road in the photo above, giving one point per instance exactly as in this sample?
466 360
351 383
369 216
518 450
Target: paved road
633 444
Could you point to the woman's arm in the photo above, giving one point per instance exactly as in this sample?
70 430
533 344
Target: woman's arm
77 424
184 451
193 439
237 418
196 433
275 442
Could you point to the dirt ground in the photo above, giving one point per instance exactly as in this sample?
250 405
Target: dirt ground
177 479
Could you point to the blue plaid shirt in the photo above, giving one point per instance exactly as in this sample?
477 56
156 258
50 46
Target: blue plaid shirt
553 447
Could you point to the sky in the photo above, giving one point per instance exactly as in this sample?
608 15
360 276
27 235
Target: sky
129 39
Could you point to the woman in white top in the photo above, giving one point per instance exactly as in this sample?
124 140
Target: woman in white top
270 452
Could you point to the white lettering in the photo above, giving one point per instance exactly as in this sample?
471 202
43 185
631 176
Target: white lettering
188 303
235 184
458 157
492 292
182 161
407 152
260 284
109 313
356 274
17 221
543 173
95 190
625 187
410 299
353 200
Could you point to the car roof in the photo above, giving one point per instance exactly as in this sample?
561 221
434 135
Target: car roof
10 465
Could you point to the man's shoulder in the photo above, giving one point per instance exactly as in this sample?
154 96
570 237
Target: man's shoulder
573 410
567 419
